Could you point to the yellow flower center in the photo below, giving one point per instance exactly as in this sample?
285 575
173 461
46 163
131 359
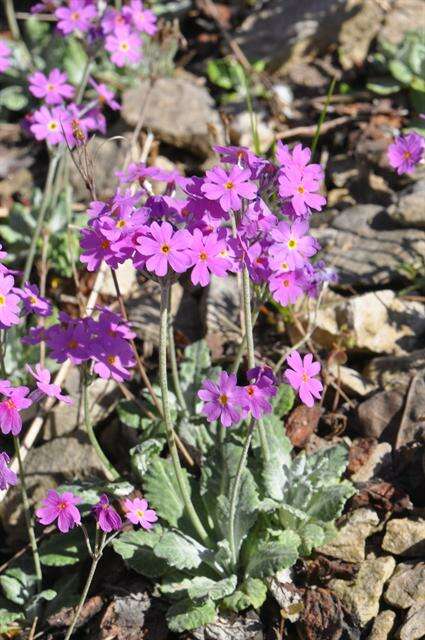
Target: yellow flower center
304 377
124 46
203 255
75 15
285 283
140 513
2 300
53 125
223 399
229 185
292 244
111 359
105 244
301 189
51 87
120 224
165 248
33 300
407 155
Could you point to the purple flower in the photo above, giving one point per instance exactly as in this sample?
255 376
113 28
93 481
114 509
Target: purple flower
69 340
52 88
221 400
299 158
33 302
5 54
77 16
301 377
206 256
106 516
138 512
229 188
113 356
10 417
165 248
97 247
143 19
125 46
105 95
7 476
51 125
256 395
301 188
42 377
292 246
9 309
286 287
406 152
60 507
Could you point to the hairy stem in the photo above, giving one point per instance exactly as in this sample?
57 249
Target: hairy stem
163 334
173 361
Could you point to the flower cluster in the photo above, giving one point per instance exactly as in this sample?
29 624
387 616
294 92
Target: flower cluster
103 341
406 152
62 508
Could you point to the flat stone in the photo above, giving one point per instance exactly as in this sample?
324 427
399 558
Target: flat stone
377 461
351 380
221 309
357 31
382 412
232 627
408 209
364 249
195 127
405 537
382 626
127 280
349 544
395 371
414 625
362 595
407 585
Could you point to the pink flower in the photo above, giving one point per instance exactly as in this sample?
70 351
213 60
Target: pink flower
5 54
221 400
105 95
300 157
255 397
97 247
125 46
7 476
230 187
301 188
33 302
137 512
10 418
77 16
206 256
113 357
51 125
52 88
9 309
42 377
60 507
106 517
143 19
301 377
406 152
286 287
165 248
292 246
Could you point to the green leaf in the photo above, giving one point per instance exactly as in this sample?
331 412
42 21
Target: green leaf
251 593
18 585
328 503
136 548
62 551
312 536
13 98
185 615
195 367
275 469
384 86
283 401
163 492
8 615
200 587
181 551
129 414
142 454
75 60
400 71
267 557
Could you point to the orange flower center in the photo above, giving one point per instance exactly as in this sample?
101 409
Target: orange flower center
250 391
111 359
229 185
2 300
203 255
407 155
10 404
51 87
75 16
62 506
301 189
72 344
120 224
33 300
223 399
304 377
105 244
165 248
285 283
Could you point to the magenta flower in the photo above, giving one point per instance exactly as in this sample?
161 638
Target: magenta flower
97 247
299 158
138 512
229 188
7 476
292 246
33 302
301 377
206 256
301 189
286 287
125 47
406 152
77 16
9 309
143 19
221 400
5 54
51 125
106 517
42 377
105 95
52 88
165 248
112 358
60 507
10 417
255 397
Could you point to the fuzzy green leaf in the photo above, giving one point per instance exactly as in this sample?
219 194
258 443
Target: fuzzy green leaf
283 401
267 557
185 615
251 593
200 587
136 548
181 551
246 510
61 551
142 455
275 469
162 490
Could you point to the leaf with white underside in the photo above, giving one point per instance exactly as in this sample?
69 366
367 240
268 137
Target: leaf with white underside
181 551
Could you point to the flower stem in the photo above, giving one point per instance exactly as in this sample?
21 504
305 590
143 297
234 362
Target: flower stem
173 361
95 559
110 471
28 517
163 333
249 335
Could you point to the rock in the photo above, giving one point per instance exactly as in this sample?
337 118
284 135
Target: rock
287 595
362 595
324 616
358 31
241 132
195 127
124 618
407 585
349 544
382 412
301 424
232 627
414 625
364 249
404 537
408 209
220 307
127 280
402 17
382 626
395 371
377 461
351 380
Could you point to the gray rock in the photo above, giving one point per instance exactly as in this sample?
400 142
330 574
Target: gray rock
127 280
414 625
221 309
405 537
232 627
362 595
382 626
408 209
403 16
351 380
395 371
195 127
349 544
286 594
358 31
407 585
380 412
378 460
364 248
